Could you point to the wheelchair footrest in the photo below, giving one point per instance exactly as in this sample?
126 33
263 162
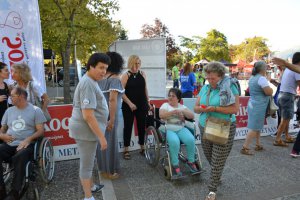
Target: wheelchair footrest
196 173
174 177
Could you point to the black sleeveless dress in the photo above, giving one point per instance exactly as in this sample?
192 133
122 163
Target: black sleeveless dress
3 104
135 91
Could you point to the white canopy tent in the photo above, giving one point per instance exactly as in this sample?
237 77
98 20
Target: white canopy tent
203 61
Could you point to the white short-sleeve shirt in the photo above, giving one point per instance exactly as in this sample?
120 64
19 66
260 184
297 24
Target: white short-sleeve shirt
263 82
173 123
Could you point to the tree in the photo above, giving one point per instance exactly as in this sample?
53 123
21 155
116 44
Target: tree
214 46
123 35
192 46
159 30
251 49
84 22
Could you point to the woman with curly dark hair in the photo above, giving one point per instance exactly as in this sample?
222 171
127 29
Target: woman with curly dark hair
111 86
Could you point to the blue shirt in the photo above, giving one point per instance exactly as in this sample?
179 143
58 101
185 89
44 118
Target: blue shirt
187 82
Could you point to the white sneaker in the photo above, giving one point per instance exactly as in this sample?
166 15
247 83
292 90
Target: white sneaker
91 198
211 196
97 188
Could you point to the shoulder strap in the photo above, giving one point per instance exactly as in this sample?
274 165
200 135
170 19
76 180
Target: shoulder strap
7 91
30 91
6 87
109 76
207 97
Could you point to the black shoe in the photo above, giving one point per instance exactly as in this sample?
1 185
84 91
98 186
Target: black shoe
97 188
13 195
2 192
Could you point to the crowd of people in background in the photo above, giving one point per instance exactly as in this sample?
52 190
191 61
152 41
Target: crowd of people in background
104 91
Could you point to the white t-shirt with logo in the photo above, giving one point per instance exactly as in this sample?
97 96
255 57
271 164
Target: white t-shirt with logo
173 123
22 122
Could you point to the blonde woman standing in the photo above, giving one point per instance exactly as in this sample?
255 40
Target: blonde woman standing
135 102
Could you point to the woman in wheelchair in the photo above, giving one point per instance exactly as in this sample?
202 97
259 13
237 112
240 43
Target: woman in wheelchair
173 114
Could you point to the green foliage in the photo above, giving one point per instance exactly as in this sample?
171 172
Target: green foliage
90 26
251 49
214 46
123 35
84 22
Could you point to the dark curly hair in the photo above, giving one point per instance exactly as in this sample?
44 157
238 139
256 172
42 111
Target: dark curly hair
116 64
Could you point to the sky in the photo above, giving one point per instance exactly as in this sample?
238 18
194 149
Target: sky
276 20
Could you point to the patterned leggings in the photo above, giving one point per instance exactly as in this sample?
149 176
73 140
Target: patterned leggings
216 156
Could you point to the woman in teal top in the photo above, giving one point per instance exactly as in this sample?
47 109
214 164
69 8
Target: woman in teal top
223 103
260 92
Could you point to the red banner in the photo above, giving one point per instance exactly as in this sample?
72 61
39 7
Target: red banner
242 115
58 128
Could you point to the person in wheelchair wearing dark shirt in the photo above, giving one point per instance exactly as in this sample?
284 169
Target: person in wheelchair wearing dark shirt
22 124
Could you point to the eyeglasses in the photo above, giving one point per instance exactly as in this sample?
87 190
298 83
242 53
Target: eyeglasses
14 95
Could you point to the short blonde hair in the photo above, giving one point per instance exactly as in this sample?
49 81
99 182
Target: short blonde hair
131 61
23 71
215 67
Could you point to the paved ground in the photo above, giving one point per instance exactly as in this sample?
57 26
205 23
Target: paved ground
268 175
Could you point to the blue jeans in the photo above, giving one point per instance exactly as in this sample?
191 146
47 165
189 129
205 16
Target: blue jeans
175 83
174 138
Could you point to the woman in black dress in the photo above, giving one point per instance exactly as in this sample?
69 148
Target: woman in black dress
4 91
135 102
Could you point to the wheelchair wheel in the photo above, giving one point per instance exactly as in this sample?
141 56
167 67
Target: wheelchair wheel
198 159
46 160
6 171
152 146
167 172
36 194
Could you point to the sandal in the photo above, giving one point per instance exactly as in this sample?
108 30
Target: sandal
126 155
104 174
113 176
259 148
142 152
246 151
280 143
289 140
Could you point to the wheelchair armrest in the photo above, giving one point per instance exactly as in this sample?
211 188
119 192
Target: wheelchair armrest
159 121
190 120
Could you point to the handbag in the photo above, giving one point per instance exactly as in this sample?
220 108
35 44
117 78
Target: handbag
216 130
38 102
272 107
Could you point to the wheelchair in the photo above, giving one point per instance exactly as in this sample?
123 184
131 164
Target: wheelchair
155 141
42 164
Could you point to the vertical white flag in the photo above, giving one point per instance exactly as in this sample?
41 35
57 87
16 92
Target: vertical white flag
21 37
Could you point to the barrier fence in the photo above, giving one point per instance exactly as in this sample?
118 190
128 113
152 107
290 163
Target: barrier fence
65 147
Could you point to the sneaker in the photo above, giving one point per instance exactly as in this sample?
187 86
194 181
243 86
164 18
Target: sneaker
193 167
295 154
97 188
176 171
211 196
